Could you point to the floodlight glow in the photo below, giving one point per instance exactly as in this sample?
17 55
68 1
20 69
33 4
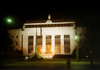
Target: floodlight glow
53 54
52 50
26 57
48 56
41 50
76 37
9 20
86 56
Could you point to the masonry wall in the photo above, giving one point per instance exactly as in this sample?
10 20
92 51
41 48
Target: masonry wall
45 31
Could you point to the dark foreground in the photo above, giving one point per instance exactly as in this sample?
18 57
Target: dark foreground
47 65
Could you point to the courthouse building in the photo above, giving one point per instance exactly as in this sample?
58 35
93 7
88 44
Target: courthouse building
53 37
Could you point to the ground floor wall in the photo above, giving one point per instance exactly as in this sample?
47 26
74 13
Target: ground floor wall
53 40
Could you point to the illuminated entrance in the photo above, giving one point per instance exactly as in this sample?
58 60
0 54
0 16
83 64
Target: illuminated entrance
48 44
30 44
57 44
66 43
53 37
39 44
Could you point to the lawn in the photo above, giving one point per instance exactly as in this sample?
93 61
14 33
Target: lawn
48 65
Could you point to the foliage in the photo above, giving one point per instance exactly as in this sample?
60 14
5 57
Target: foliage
6 42
89 41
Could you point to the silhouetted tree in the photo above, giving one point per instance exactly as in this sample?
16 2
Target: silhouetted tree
6 42
89 38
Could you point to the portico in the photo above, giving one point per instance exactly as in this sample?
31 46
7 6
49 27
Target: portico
53 37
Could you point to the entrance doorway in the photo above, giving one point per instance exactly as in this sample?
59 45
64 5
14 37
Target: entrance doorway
48 44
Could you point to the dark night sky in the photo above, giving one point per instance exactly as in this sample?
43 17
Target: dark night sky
84 16
39 11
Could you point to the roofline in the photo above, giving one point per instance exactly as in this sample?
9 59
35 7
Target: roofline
49 23
71 22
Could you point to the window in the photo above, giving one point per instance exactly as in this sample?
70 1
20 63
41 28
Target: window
39 43
30 37
56 24
30 44
45 25
61 24
65 24
39 37
48 44
57 44
17 36
66 43
48 24
57 36
48 36
66 36
71 24
80 35
51 24
25 26
16 43
32 25
11 42
12 36
39 40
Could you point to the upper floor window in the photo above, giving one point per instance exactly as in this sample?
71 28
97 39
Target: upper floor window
48 36
48 25
17 36
16 43
66 36
57 36
39 37
12 36
30 37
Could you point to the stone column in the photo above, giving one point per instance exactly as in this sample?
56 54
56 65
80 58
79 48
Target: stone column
62 44
44 43
24 48
34 43
53 43
26 43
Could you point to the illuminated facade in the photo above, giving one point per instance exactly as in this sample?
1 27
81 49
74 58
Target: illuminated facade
53 37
